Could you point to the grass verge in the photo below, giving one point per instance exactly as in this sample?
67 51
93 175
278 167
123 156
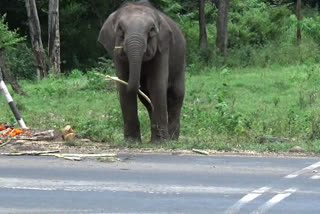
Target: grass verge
224 109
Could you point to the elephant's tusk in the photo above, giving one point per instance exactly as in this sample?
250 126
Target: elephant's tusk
118 47
125 83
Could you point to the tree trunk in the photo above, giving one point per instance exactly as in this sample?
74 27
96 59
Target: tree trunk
202 24
222 27
215 3
54 36
8 75
299 17
35 34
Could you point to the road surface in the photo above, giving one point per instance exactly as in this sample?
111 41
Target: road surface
157 183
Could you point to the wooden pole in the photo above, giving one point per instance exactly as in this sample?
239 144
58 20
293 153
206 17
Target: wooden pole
12 105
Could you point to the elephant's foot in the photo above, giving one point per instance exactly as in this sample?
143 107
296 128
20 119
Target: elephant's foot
174 131
132 133
159 135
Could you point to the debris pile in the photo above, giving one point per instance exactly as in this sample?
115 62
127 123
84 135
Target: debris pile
8 132
44 143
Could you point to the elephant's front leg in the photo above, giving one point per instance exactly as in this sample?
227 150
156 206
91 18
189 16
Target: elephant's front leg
128 102
157 87
130 115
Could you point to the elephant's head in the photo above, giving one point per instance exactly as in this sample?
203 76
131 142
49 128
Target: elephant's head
135 33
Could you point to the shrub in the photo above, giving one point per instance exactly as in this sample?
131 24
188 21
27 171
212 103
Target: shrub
8 38
21 62
311 26
253 22
75 74
97 81
105 66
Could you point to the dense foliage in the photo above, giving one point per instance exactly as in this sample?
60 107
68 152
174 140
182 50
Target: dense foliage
260 32
8 38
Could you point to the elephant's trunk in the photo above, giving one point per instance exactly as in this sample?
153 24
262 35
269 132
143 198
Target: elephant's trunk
135 49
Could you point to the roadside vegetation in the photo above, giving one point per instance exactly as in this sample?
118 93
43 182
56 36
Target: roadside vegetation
225 109
263 96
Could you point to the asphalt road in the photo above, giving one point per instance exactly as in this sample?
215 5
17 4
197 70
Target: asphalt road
161 184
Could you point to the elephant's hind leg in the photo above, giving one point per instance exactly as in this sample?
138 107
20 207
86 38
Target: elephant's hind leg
175 101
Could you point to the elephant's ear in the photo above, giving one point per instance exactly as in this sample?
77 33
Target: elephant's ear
165 36
107 34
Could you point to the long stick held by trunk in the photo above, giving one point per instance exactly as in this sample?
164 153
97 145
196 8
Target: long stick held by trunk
12 105
125 83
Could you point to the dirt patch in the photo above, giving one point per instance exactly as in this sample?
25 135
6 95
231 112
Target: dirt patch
86 146
89 147
79 147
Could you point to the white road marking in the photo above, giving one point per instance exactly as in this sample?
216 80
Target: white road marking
101 186
246 199
15 210
316 176
304 170
55 211
273 201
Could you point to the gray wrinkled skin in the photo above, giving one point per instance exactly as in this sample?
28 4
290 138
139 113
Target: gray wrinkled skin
148 50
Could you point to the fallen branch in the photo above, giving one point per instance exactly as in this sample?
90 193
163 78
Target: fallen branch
64 157
55 153
202 152
5 143
72 158
35 153
80 155
44 135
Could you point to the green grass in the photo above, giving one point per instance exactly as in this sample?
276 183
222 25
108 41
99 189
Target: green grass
224 109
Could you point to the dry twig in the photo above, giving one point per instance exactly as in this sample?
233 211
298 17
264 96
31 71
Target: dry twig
202 152
55 153
30 153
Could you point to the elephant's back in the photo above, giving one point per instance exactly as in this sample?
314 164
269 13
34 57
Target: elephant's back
177 55
178 36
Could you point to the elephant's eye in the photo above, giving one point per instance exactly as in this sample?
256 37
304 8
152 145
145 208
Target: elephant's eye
152 31
122 36
120 32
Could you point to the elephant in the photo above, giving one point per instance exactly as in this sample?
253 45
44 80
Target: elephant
148 50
